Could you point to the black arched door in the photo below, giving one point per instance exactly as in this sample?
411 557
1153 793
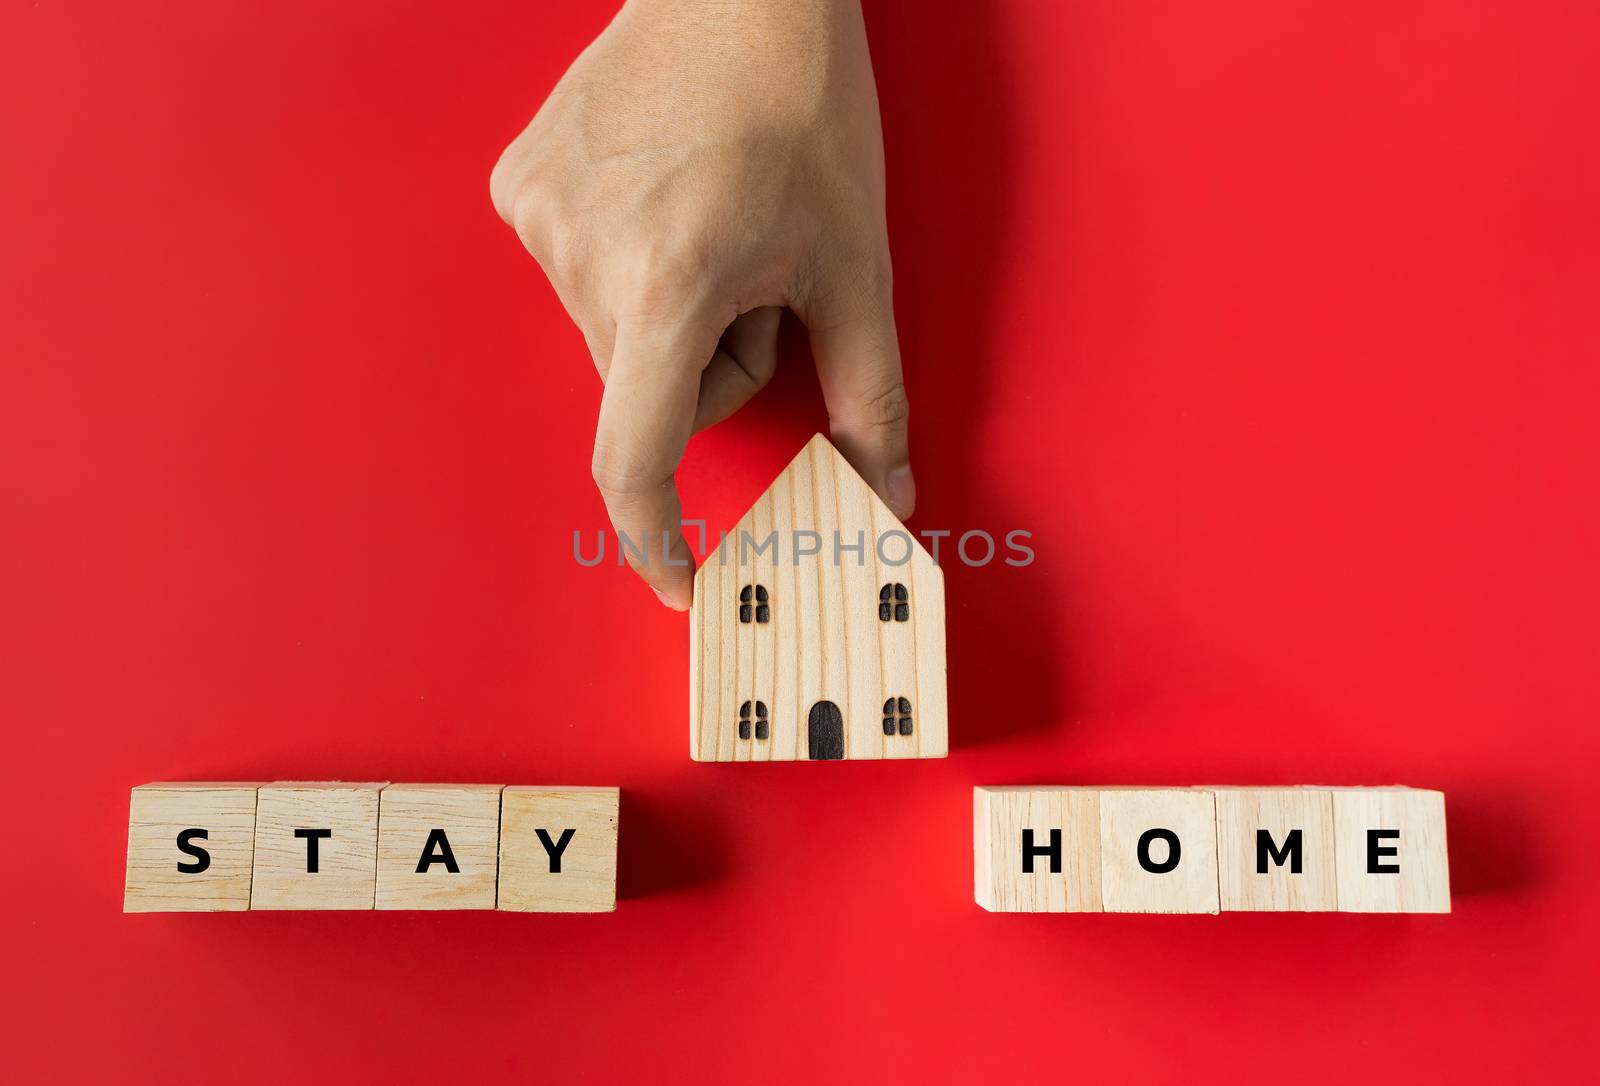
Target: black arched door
825 731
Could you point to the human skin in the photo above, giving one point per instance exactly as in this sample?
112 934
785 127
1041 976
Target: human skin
702 166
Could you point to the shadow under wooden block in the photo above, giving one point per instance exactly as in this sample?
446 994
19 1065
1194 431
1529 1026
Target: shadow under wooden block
1389 850
438 846
190 847
1036 850
558 850
316 845
1158 851
1275 850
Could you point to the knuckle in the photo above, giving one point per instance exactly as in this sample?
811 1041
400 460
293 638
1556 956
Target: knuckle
857 288
531 211
565 246
515 173
558 237
663 272
759 367
502 186
620 474
887 407
874 278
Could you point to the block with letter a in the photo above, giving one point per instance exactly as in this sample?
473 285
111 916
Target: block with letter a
438 846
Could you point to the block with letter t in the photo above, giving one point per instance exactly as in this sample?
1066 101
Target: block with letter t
316 845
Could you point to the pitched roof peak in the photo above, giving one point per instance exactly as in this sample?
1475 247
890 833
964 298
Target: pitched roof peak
820 469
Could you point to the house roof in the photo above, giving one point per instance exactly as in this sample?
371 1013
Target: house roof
819 491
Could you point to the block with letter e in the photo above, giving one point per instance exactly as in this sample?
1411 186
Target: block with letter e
316 845
1389 850
190 847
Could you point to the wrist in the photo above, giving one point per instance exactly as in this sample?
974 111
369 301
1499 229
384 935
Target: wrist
745 9
765 21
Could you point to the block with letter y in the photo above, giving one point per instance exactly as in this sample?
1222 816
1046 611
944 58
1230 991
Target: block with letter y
558 850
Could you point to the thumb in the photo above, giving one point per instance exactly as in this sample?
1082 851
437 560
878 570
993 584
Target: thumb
858 364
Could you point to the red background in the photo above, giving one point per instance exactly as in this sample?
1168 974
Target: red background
1274 322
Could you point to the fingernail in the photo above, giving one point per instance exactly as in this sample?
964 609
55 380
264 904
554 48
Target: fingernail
668 600
901 490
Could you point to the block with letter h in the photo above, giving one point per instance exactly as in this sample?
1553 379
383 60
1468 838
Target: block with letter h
1205 850
339 845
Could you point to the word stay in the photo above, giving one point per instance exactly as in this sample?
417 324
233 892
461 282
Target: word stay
233 846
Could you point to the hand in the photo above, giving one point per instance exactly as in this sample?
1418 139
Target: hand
702 166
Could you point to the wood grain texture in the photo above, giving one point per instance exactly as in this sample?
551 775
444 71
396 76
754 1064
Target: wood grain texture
824 640
347 860
1001 816
467 820
157 814
1242 814
584 879
1421 883
1125 816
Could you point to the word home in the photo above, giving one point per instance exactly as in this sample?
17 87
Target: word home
1208 850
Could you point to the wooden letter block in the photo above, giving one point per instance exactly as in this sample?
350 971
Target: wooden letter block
1275 850
1389 847
438 846
316 846
1158 851
1037 849
558 850
190 847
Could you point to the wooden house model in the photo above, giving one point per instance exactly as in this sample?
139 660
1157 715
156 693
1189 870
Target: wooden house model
817 629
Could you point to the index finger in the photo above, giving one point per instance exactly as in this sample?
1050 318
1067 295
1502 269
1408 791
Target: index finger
646 417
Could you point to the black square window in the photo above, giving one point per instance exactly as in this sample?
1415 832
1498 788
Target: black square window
894 603
897 716
762 728
761 611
